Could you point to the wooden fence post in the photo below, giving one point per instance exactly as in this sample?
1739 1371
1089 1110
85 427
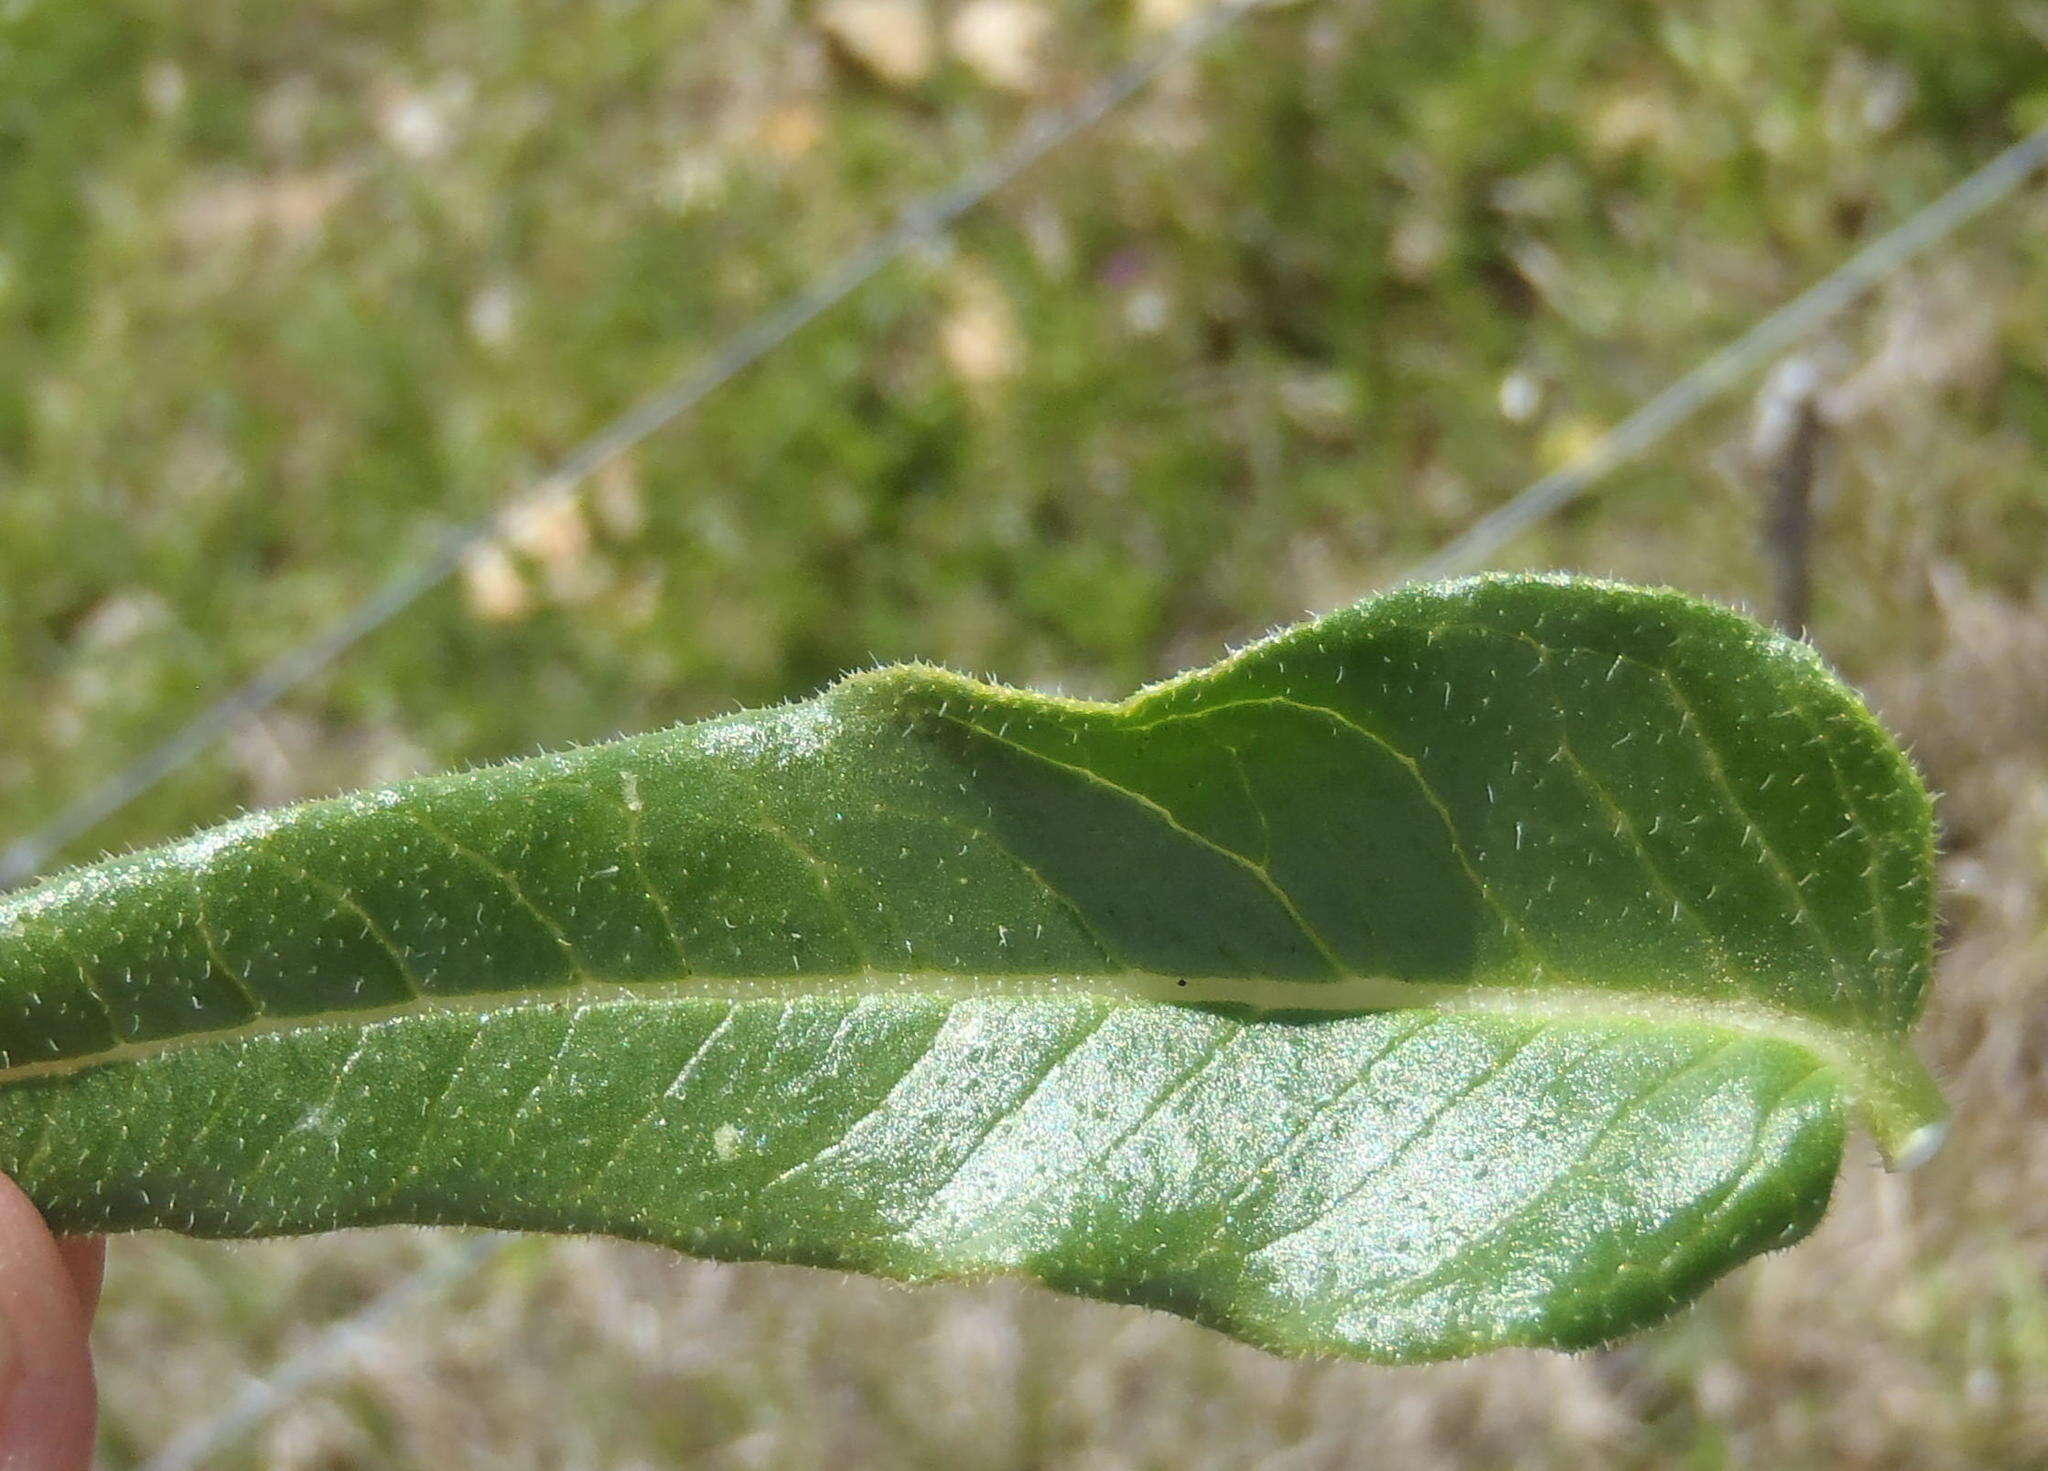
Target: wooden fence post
1789 435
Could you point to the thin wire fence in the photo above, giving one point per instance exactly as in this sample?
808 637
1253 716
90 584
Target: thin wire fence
328 1352
923 221
1995 181
926 220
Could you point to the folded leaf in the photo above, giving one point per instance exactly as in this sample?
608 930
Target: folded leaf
1489 963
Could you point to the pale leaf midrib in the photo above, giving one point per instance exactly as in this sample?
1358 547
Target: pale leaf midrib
1878 1072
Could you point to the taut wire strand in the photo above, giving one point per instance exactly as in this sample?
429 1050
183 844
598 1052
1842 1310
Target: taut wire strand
1765 341
925 219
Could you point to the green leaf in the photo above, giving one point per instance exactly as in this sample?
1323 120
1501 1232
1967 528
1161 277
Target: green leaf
1489 963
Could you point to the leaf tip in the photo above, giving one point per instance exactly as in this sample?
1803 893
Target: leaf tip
1917 1147
1903 1109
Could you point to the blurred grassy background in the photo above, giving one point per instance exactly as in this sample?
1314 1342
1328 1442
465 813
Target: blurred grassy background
285 290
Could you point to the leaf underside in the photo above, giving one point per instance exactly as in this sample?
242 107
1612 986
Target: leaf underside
1490 963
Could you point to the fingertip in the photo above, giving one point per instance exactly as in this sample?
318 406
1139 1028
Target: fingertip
85 1259
46 1387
